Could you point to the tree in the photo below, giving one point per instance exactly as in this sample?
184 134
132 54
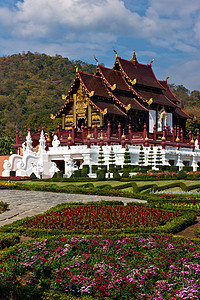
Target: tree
112 159
158 158
101 160
141 156
151 156
127 158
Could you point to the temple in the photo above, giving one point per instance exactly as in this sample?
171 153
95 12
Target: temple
128 94
125 105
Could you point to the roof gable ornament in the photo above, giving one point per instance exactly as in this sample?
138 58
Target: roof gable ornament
167 78
113 87
134 58
96 60
151 61
115 52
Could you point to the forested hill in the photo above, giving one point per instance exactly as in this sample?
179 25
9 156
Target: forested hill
31 86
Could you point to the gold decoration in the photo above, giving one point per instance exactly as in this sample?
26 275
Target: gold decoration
146 138
88 136
96 60
69 137
177 139
123 136
115 52
76 68
113 87
91 94
167 78
11 152
151 61
192 140
95 117
101 136
52 117
105 111
64 97
150 101
134 58
128 107
48 138
134 81
163 138
69 119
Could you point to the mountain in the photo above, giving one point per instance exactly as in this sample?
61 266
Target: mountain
31 88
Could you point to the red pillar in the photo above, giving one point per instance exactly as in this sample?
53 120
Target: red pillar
119 131
181 135
95 135
154 132
58 131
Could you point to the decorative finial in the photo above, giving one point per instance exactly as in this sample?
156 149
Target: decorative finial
134 58
163 137
192 140
146 138
88 136
96 60
76 68
151 61
101 136
69 137
167 78
123 136
177 139
115 52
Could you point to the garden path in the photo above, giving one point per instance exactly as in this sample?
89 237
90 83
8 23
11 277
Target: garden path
29 203
189 231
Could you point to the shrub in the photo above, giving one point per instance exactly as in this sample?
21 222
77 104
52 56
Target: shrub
94 168
12 173
125 174
33 176
116 175
101 175
77 173
181 175
60 174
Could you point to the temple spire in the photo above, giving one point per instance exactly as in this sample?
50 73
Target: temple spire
134 58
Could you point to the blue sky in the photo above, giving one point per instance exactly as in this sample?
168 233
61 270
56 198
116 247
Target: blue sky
166 30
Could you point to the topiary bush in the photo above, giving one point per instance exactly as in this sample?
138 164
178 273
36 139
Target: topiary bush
181 175
116 175
33 176
101 175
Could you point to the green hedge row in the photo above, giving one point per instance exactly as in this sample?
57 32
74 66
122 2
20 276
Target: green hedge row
9 239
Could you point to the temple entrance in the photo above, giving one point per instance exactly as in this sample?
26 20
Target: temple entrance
60 165
81 122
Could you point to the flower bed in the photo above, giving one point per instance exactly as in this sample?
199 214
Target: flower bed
151 267
87 217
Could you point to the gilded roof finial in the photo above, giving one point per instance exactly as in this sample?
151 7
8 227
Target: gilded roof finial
134 58
167 78
151 61
96 60
115 52
101 136
76 68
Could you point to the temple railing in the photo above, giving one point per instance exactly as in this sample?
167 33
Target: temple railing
96 136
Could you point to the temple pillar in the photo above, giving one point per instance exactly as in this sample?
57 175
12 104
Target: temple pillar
154 132
73 133
181 135
130 132
173 135
74 109
95 134
63 121
58 131
89 115
145 131
119 131
108 132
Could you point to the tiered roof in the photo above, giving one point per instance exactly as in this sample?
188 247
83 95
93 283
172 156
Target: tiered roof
128 85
